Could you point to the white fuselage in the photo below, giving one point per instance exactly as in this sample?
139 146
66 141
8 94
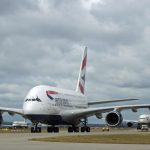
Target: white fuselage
44 104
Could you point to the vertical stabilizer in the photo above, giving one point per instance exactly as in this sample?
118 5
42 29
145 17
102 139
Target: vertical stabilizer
81 79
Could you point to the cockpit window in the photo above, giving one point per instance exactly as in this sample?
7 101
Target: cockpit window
33 99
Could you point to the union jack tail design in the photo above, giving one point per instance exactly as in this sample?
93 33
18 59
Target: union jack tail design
81 79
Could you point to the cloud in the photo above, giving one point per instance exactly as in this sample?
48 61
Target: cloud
41 42
10 7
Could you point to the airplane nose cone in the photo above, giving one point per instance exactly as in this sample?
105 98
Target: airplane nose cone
28 109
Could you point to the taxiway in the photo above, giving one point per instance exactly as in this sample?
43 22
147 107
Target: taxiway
21 141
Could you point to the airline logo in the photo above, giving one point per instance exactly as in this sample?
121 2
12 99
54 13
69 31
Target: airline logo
50 93
82 79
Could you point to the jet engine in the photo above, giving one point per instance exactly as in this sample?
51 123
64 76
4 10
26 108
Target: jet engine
1 119
130 124
114 118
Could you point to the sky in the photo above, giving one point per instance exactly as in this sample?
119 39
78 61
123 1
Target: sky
41 42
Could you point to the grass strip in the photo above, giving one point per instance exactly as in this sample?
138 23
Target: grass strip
102 138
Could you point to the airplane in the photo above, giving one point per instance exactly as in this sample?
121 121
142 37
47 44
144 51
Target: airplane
129 124
144 119
19 124
54 106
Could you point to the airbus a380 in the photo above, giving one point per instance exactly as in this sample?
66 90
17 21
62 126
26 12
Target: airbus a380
54 106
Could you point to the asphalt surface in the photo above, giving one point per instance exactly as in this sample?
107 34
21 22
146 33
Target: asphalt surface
21 141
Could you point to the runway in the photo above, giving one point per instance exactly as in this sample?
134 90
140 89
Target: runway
21 141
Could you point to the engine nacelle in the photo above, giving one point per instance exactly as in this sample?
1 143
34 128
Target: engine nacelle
130 124
1 119
114 118
99 115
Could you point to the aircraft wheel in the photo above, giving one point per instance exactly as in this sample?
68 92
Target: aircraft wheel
56 129
49 129
39 129
83 129
32 130
76 129
87 129
70 129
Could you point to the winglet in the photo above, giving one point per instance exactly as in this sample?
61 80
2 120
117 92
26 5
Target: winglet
81 78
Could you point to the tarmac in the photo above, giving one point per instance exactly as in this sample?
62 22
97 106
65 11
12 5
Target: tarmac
21 141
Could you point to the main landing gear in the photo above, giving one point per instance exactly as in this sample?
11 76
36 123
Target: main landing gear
73 129
52 129
85 128
76 129
35 128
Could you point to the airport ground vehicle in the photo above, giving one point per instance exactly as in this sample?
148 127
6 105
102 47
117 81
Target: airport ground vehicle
106 128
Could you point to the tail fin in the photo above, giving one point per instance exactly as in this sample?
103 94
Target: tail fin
81 78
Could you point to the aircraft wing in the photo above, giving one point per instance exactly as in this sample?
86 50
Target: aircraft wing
11 111
81 113
110 101
133 121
